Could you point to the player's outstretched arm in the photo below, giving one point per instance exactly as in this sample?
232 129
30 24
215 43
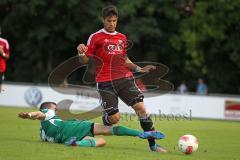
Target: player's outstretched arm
3 54
32 115
131 65
137 68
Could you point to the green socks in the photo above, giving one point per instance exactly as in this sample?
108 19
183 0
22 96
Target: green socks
124 131
86 143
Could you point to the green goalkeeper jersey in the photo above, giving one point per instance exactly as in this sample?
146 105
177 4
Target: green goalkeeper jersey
54 129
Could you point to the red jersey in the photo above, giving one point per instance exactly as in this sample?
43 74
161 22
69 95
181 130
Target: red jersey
4 44
109 52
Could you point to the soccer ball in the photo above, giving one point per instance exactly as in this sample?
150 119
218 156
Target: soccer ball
188 144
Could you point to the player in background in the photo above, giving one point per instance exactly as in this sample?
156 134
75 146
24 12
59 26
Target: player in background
108 48
4 56
78 132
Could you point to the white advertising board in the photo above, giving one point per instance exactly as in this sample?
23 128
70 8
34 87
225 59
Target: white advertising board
169 104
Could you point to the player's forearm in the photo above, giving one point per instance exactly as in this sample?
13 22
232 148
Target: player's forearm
36 115
84 59
32 115
4 55
132 66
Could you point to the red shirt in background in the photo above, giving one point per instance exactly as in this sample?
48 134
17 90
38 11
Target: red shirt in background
4 44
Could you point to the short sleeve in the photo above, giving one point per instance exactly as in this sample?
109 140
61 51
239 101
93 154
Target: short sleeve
126 44
7 50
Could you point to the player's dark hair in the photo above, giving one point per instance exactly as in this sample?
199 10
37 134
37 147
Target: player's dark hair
110 10
45 105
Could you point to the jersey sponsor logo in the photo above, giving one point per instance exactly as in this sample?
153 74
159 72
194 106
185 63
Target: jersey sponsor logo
117 46
33 96
112 48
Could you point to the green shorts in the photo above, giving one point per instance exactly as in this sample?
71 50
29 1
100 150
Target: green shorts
78 129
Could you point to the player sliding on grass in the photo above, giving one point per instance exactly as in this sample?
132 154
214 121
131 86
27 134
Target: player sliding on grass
78 132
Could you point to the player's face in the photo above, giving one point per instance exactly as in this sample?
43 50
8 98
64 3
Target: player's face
53 107
110 23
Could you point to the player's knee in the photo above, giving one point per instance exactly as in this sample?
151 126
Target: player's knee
140 109
100 142
114 119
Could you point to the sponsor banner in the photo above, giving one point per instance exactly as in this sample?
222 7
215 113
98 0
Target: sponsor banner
87 99
33 96
232 110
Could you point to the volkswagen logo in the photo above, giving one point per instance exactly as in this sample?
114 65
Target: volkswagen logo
33 96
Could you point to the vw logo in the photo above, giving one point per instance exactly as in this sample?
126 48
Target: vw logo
33 96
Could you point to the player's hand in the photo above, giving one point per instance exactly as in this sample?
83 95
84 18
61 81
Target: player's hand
147 68
1 49
82 48
23 115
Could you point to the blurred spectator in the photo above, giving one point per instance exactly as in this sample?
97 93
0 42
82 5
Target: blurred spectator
201 87
4 55
182 88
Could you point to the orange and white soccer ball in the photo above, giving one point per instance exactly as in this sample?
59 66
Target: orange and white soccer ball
188 144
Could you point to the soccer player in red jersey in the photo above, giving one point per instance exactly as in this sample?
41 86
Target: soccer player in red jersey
4 55
108 48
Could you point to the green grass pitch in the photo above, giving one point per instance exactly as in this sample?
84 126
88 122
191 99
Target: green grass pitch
19 139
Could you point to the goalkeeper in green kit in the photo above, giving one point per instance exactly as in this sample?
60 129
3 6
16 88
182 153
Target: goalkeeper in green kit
78 132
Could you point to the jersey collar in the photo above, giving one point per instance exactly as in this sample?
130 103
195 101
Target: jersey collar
106 32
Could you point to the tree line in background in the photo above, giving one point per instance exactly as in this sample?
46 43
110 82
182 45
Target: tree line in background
194 38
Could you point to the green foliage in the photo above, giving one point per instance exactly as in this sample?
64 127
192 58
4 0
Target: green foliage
210 38
42 34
